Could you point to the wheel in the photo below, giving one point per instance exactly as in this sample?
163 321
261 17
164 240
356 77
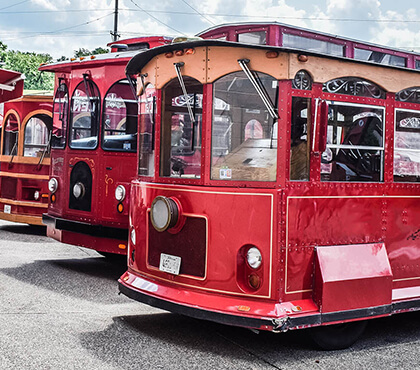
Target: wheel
339 336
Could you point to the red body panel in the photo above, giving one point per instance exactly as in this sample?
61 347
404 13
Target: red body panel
21 177
109 169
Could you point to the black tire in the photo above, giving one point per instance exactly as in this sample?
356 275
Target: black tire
340 336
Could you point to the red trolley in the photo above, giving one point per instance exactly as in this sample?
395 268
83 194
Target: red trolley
93 151
25 162
277 189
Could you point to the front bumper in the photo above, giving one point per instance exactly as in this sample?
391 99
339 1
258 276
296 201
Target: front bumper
85 228
234 311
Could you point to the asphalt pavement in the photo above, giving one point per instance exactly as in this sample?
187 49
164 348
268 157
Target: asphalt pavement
60 309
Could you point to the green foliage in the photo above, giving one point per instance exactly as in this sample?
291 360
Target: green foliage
82 52
28 64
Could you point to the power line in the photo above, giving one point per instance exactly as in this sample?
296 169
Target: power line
156 19
7 7
201 14
148 12
62 29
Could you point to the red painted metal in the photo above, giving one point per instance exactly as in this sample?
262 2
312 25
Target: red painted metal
300 227
350 277
23 175
275 33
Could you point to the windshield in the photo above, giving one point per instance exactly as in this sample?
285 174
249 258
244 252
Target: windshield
84 122
244 133
120 119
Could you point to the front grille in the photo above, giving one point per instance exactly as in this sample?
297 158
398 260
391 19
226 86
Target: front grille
189 244
82 174
8 188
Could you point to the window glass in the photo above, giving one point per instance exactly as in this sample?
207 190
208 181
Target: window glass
147 131
355 148
84 121
60 115
407 146
379 57
244 136
180 135
258 38
11 132
120 118
37 134
417 64
311 44
300 150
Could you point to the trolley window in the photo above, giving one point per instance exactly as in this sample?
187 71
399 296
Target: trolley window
37 136
311 44
257 37
11 133
355 144
60 116
181 129
417 64
299 148
84 116
147 131
407 146
244 134
120 119
379 57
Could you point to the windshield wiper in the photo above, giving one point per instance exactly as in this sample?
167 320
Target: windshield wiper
184 90
256 82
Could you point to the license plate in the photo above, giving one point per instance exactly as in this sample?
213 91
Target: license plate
169 263
7 208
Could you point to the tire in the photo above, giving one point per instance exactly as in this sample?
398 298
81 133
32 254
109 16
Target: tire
339 336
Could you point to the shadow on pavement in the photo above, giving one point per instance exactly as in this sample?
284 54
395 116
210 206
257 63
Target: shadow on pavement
131 341
24 233
93 279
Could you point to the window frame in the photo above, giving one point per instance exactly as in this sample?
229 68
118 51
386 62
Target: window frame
104 110
95 115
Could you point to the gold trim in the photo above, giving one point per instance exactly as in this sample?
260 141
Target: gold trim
153 268
23 203
33 220
329 197
164 187
24 175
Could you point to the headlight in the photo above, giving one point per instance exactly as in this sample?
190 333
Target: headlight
254 257
36 195
53 185
78 190
133 236
120 193
164 213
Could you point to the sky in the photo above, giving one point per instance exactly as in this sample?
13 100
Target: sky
59 27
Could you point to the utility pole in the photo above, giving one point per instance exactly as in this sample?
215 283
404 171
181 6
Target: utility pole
115 34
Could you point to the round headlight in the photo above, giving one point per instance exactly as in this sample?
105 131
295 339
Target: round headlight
36 195
78 190
164 213
53 185
133 236
120 193
254 257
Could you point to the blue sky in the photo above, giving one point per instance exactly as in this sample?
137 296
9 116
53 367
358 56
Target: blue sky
59 27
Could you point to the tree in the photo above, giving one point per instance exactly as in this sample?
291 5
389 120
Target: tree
82 52
28 64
